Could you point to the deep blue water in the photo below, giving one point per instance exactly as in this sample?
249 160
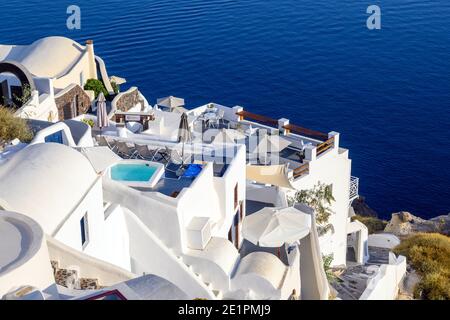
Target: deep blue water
387 91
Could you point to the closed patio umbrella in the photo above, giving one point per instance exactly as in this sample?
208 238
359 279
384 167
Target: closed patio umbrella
184 133
102 115
273 227
170 102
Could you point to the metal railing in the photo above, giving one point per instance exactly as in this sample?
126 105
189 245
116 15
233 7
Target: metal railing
354 188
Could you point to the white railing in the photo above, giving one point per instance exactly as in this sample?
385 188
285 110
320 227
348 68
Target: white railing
354 188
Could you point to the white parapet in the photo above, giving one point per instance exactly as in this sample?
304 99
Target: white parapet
310 152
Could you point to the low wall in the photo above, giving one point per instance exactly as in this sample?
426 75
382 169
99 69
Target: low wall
384 285
89 267
124 101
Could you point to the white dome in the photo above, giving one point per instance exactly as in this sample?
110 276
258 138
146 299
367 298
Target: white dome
48 57
20 239
45 182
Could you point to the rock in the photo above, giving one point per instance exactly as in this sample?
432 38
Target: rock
361 208
407 285
404 223
444 223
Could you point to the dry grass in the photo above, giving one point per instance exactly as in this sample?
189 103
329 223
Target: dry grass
429 255
12 127
373 224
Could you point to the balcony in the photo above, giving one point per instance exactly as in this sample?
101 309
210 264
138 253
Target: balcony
354 188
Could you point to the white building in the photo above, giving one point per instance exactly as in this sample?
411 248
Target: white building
185 231
56 70
115 219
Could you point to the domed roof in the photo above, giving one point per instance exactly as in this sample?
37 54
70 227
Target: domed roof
47 57
20 239
45 182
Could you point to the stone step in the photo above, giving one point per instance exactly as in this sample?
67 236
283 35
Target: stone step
89 284
66 278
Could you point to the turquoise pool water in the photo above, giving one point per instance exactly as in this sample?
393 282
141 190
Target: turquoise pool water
132 172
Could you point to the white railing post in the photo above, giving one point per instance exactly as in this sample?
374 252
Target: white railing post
281 124
336 136
237 109
310 152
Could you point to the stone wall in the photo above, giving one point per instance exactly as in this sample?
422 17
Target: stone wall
124 101
64 102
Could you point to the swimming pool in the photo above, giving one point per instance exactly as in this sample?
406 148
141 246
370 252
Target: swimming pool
136 173
132 172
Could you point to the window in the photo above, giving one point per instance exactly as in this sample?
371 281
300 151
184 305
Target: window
84 230
236 196
56 137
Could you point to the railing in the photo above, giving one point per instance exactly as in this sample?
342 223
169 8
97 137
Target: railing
303 169
289 127
325 146
258 118
354 188
306 132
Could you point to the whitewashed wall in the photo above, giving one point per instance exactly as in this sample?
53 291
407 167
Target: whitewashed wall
385 284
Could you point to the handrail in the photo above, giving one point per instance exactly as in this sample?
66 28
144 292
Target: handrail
290 127
326 145
257 117
303 169
304 131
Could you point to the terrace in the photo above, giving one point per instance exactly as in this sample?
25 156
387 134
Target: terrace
176 159
269 142
305 145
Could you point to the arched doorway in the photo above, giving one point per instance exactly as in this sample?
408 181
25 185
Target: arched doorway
10 89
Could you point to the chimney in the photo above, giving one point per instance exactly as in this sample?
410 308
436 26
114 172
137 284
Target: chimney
91 57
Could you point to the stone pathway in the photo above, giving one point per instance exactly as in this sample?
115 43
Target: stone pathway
352 281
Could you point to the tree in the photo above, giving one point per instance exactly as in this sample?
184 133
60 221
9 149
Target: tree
97 86
12 127
26 95
319 198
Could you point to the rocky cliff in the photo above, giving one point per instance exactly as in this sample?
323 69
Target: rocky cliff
404 223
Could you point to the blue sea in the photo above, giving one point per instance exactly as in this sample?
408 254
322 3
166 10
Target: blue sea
386 91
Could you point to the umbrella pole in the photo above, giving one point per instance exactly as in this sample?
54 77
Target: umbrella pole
182 155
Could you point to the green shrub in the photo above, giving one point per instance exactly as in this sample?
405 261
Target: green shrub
373 224
89 122
12 127
97 86
115 87
429 255
327 260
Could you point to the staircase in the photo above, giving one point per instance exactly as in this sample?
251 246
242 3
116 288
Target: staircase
70 278
217 294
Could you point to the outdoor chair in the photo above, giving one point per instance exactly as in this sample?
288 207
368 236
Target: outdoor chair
125 151
220 117
144 153
103 142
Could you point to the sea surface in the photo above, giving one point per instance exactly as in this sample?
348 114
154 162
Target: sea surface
314 61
